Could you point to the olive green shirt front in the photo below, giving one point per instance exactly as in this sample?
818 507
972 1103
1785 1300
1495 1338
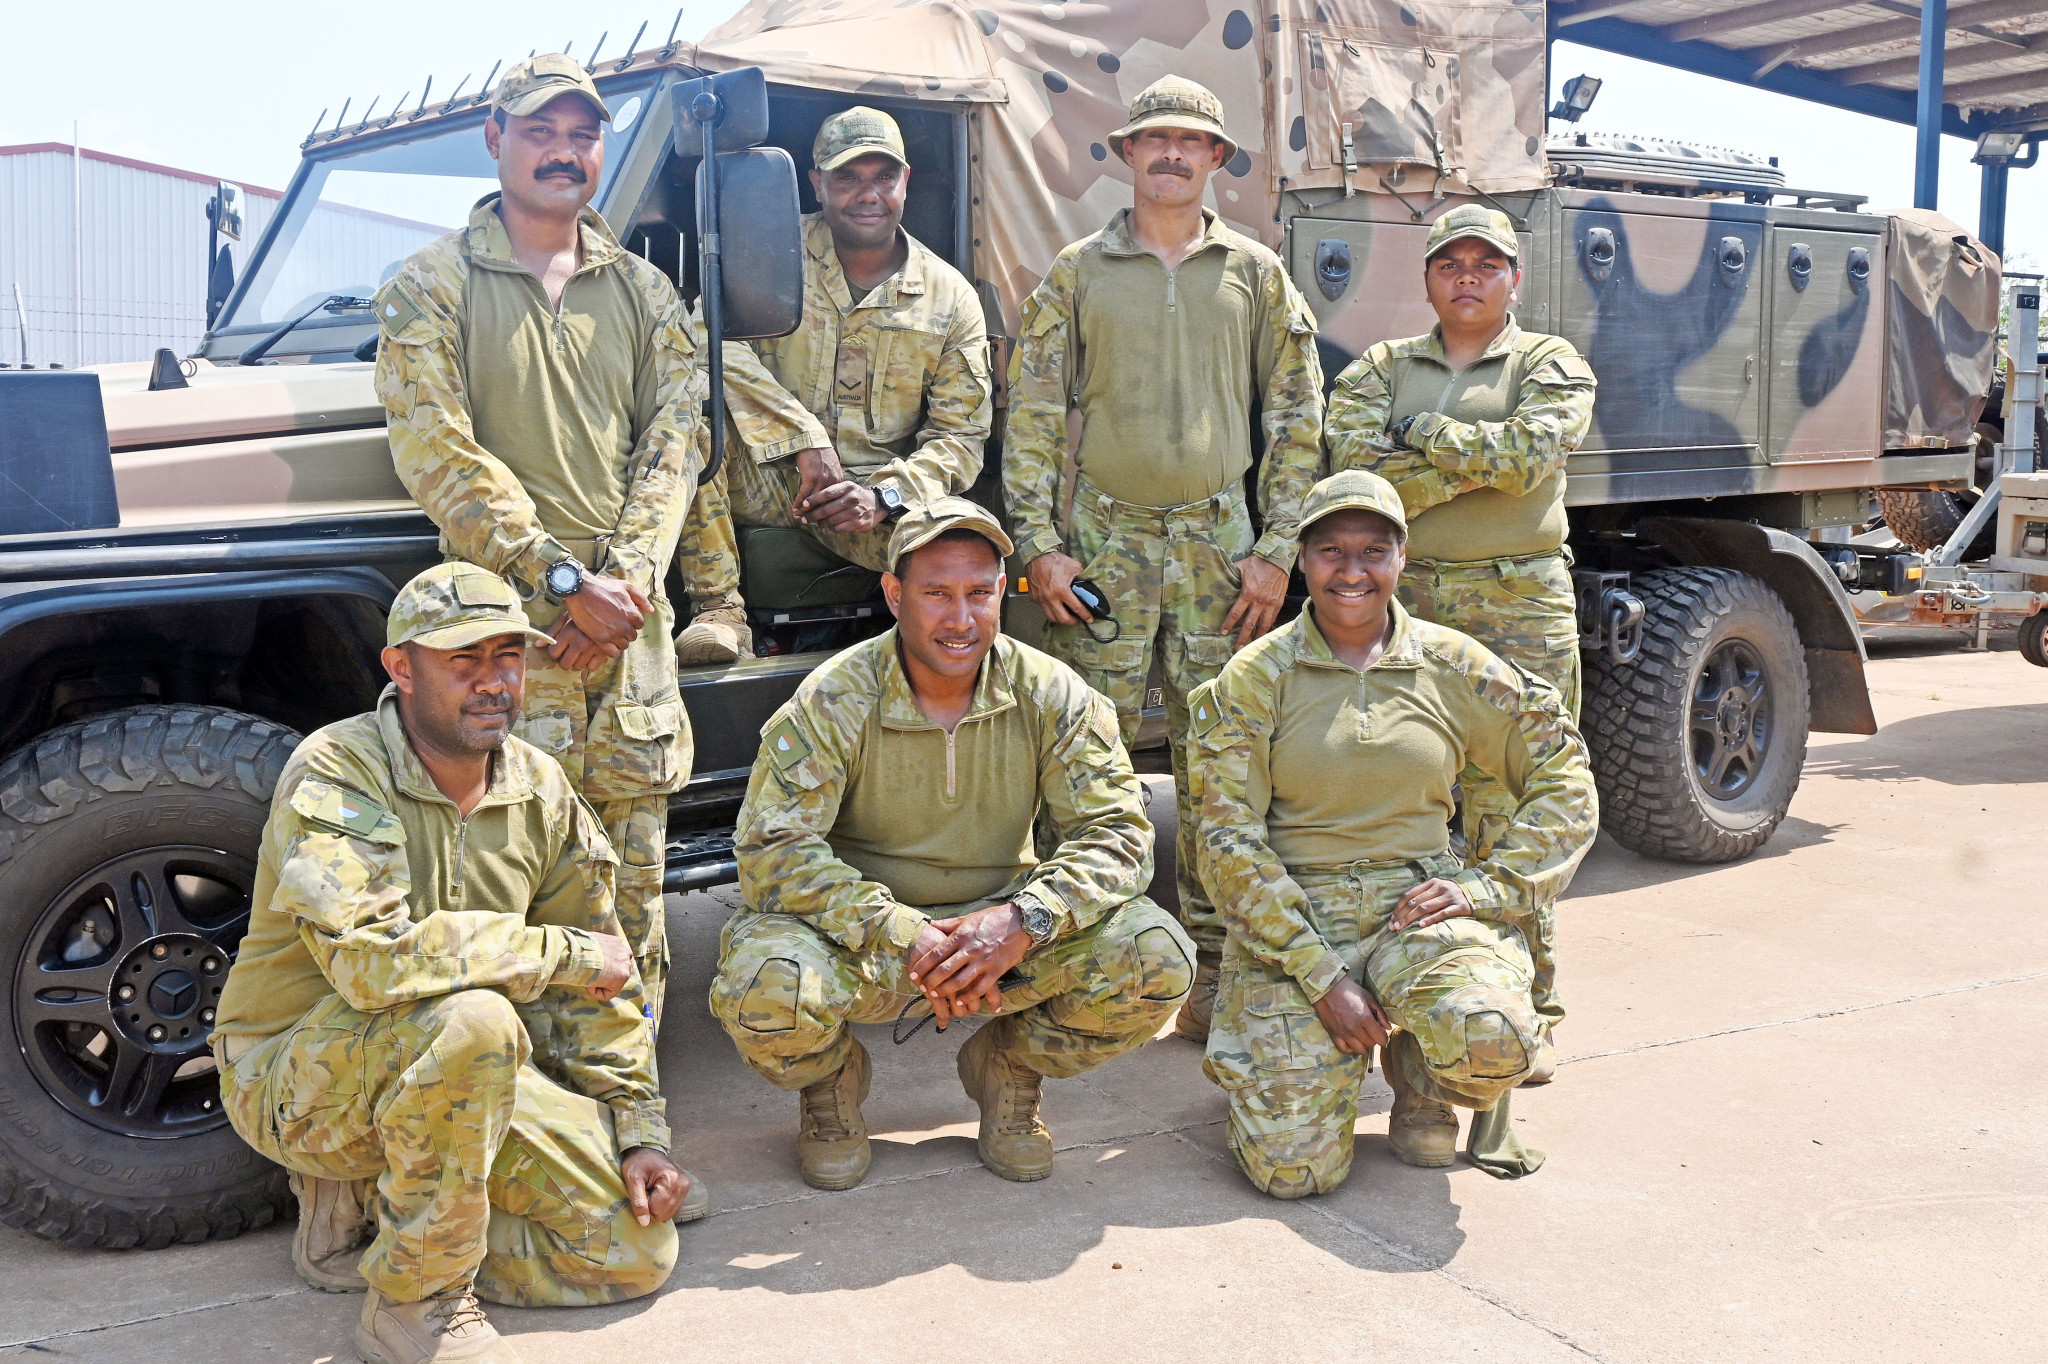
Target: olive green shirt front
372 885
863 812
1483 474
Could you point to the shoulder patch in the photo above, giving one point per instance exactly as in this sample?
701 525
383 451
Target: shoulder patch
1204 714
785 744
396 309
347 811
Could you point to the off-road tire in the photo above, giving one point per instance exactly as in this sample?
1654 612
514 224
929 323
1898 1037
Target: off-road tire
1639 717
2034 639
1922 520
107 787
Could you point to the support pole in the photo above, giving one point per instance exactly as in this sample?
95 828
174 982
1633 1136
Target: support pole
1991 206
1927 149
711 272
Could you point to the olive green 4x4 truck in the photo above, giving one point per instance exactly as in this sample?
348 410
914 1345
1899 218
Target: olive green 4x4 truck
196 557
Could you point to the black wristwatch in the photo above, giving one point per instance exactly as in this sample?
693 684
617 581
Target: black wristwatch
891 501
1400 429
564 579
1038 922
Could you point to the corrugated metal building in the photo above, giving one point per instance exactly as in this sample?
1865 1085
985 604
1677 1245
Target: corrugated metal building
124 272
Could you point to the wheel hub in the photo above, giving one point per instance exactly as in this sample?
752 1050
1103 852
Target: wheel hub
166 990
1731 729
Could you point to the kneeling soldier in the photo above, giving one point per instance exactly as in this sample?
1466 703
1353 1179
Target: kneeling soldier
434 1022
1322 763
886 853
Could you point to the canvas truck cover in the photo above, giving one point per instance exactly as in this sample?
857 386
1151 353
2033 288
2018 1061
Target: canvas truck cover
1941 330
1438 93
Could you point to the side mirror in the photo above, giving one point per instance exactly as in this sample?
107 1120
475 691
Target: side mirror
760 231
227 211
735 113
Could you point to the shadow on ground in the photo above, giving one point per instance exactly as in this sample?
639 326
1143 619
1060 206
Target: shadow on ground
1968 746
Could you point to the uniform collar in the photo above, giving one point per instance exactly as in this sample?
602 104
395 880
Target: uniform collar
905 283
1403 649
512 774
992 693
1433 344
1118 240
489 245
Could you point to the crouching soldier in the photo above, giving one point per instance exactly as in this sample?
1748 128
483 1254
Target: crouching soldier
434 1022
1322 760
887 857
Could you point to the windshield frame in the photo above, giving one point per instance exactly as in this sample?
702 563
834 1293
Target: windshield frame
227 337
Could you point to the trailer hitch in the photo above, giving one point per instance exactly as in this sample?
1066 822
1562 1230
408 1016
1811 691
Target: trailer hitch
1610 616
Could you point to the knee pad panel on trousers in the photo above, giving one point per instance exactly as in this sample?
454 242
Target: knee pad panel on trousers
1291 1140
1164 971
1493 1048
771 1001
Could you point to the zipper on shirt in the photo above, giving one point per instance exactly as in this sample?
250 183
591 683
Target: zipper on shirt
950 769
1171 276
455 868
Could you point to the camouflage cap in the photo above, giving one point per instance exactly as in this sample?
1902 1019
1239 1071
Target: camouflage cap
853 133
1352 490
456 604
923 524
1473 220
1175 102
532 84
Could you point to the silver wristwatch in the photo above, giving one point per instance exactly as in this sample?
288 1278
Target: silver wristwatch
1038 921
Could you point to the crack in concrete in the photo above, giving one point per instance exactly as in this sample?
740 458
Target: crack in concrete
1805 1018
35 1342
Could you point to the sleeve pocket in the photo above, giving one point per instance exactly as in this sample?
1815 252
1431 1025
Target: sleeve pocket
643 724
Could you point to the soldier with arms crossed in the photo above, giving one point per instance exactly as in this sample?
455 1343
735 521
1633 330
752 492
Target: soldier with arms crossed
1472 423
1322 762
434 1022
1164 329
877 403
887 856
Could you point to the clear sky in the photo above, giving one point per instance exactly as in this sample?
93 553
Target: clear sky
232 92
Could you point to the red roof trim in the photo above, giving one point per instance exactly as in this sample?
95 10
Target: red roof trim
64 148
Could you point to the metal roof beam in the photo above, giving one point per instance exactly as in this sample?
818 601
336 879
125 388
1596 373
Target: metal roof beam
1750 16
1892 30
1590 10
1977 55
2013 83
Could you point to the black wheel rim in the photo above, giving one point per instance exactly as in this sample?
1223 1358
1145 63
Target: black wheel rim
116 987
1730 720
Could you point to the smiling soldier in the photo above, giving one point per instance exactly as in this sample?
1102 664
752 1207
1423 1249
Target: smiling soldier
434 1022
887 858
1167 331
887 378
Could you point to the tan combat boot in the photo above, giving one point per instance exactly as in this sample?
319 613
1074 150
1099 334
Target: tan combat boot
719 635
1013 1142
1192 1022
832 1147
448 1328
696 1202
1422 1131
335 1223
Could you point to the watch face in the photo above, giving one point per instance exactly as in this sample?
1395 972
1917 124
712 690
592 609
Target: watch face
563 578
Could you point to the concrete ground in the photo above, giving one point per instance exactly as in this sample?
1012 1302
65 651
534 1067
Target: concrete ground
1795 1121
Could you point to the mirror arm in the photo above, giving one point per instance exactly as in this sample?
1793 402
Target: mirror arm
711 275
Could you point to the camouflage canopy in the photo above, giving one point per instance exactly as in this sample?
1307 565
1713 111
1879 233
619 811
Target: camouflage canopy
1433 93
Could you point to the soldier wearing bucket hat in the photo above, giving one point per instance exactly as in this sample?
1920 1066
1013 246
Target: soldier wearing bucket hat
1167 330
881 395
1473 423
1323 760
887 859
430 886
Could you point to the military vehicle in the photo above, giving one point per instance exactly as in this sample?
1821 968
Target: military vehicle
205 573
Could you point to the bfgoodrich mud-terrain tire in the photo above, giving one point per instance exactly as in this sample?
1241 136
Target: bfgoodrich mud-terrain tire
127 850
1923 521
1697 743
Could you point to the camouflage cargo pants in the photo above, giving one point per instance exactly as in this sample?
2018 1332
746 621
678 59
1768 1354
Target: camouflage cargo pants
485 1168
785 992
1457 990
1525 611
622 735
749 493
1171 577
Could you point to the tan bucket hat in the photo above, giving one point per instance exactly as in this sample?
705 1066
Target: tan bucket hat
1176 102
921 525
456 604
1352 490
533 84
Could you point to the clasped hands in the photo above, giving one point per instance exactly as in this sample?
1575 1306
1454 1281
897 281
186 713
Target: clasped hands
957 962
1353 1018
598 621
1261 594
827 497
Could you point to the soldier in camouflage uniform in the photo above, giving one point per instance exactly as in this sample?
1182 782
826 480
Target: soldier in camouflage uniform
1164 329
433 1022
1322 760
543 389
878 402
1473 423
887 856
